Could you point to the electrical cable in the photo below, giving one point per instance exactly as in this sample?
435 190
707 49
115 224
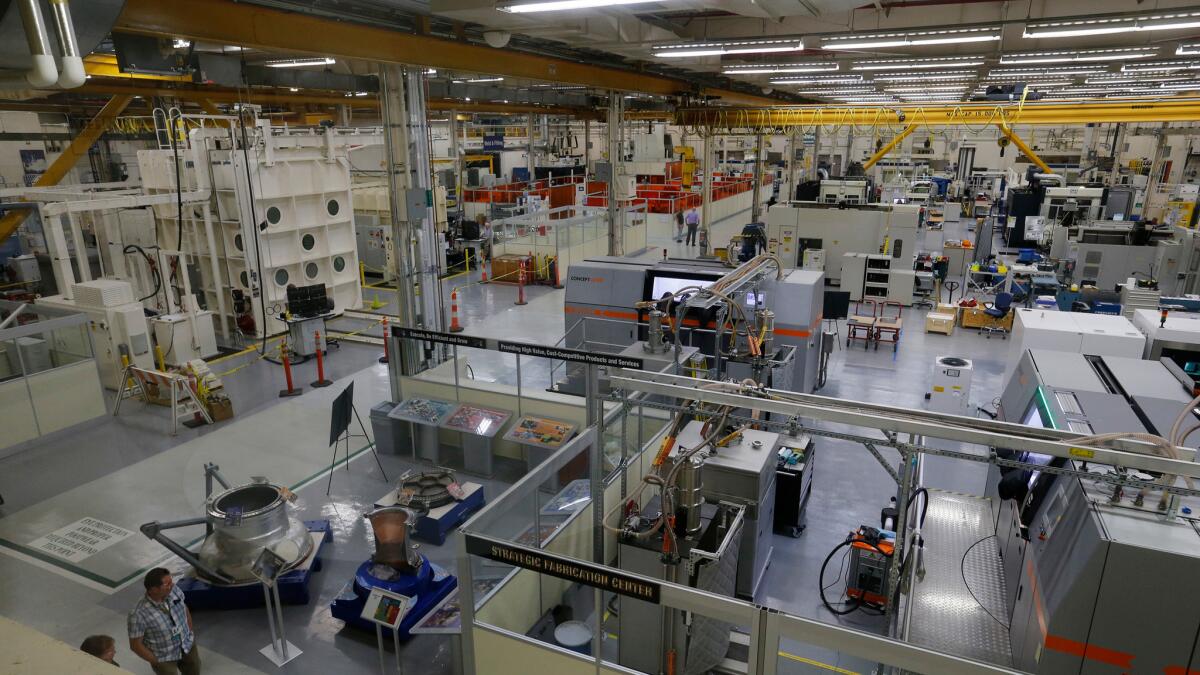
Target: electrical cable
962 568
150 264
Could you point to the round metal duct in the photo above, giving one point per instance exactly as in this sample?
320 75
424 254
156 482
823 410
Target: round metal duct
93 21
247 519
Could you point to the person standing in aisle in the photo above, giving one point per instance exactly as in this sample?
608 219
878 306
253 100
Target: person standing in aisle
160 627
679 227
693 224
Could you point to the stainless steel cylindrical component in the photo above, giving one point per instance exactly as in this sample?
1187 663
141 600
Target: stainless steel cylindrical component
691 487
245 520
655 344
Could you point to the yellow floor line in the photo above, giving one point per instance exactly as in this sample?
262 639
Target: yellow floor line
818 664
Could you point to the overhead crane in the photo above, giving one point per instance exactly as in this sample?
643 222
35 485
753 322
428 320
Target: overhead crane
903 120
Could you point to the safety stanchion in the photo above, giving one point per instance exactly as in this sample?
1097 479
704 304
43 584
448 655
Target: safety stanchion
557 278
521 286
321 381
384 358
454 325
287 372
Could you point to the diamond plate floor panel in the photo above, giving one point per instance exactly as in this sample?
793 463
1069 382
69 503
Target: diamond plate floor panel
945 615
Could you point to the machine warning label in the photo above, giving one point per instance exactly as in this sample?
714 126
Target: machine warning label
587 574
590 358
81 539
443 338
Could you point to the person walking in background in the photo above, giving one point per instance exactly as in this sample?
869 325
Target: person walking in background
102 647
160 627
693 224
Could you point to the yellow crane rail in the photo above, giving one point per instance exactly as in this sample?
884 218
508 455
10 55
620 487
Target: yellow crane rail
973 115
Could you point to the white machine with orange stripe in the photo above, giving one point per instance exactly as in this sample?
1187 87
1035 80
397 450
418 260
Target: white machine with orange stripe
603 294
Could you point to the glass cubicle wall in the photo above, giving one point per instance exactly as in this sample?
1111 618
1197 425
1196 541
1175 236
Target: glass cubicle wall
48 374
545 588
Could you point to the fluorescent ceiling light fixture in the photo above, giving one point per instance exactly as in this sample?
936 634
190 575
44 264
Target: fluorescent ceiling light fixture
757 69
1107 26
1070 55
732 47
928 87
1188 49
562 5
1160 66
431 71
1121 78
921 77
912 38
909 64
293 89
1053 72
1035 85
486 79
299 63
840 90
180 43
827 79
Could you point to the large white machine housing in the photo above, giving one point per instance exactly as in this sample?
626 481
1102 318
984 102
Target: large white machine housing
298 228
795 226
951 390
1075 332
117 320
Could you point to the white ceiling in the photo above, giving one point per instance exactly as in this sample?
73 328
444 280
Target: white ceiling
632 32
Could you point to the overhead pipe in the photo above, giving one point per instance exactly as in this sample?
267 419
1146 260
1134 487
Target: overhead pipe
43 73
72 74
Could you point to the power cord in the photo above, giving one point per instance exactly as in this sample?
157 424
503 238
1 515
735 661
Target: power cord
962 568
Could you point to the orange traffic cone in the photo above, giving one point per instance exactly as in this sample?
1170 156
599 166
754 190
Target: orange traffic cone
454 326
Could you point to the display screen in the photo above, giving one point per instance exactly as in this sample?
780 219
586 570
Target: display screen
664 285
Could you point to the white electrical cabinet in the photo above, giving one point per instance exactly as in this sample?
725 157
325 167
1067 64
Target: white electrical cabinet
951 390
184 338
117 323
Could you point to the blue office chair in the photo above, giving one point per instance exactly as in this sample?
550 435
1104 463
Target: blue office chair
998 310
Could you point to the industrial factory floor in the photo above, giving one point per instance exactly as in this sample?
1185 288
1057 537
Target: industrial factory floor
128 471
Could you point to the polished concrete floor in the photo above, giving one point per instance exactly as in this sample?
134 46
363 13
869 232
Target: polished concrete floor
128 470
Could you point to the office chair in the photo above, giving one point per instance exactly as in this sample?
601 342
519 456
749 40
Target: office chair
997 311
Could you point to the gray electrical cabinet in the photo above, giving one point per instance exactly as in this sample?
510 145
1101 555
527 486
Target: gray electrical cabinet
742 472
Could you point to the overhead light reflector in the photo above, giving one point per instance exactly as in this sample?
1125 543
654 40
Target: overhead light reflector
562 5
910 64
696 49
1160 66
760 69
1072 55
300 63
912 38
1110 25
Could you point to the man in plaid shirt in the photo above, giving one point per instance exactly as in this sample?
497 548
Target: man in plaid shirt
160 627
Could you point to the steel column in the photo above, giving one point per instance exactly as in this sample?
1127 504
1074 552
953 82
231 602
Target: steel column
756 205
616 229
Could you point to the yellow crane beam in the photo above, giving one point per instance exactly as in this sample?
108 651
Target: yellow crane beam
70 156
879 154
250 25
1028 151
105 65
970 115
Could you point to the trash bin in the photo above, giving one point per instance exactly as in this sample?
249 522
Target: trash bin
391 435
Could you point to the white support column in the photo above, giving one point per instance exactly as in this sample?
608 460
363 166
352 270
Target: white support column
706 171
616 228
456 155
529 162
81 254
756 205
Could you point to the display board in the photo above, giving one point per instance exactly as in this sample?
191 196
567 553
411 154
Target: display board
385 608
445 618
429 411
541 432
476 420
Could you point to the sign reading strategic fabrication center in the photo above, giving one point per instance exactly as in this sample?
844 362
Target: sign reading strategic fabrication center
575 355
571 570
